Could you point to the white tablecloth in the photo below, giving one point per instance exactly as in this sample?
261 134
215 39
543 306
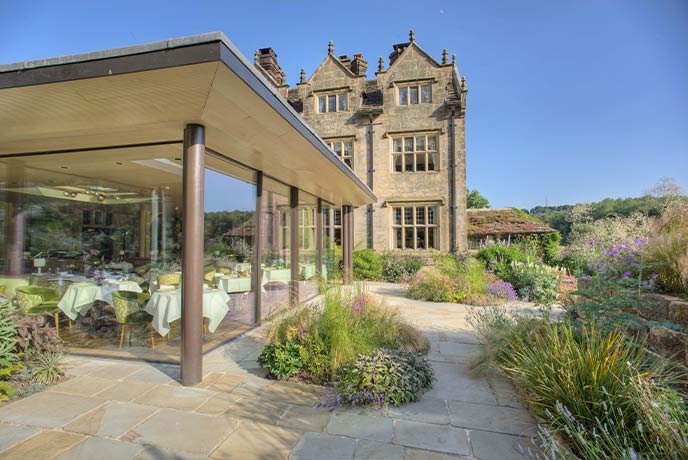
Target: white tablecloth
80 296
124 266
166 307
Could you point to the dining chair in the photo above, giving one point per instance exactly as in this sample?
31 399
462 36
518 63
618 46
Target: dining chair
175 279
39 300
130 309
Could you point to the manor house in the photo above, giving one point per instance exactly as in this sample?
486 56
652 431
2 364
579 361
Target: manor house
402 132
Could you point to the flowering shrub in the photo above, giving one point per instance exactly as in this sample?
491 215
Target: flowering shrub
502 290
621 261
381 378
396 269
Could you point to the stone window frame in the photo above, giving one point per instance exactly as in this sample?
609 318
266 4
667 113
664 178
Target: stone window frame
326 97
402 224
404 154
348 158
404 92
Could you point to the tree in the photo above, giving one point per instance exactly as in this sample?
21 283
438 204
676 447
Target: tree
476 200
667 187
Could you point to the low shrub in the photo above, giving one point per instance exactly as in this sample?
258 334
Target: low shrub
46 368
367 265
397 268
382 378
601 394
432 287
36 337
502 290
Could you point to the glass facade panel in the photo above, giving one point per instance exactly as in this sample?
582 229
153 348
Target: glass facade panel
93 235
276 248
230 218
308 285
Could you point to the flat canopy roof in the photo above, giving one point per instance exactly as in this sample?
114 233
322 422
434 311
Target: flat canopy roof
143 96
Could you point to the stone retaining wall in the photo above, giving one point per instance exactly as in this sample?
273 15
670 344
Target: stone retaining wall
663 340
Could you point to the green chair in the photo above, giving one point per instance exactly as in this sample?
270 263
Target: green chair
130 309
174 279
39 300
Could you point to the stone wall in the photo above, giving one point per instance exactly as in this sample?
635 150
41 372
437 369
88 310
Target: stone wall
663 340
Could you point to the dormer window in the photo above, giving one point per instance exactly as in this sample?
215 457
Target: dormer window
416 93
338 102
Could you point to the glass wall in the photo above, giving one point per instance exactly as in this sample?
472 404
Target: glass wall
276 248
332 241
86 237
308 283
230 204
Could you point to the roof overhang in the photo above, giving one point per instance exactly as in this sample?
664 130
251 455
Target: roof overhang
145 95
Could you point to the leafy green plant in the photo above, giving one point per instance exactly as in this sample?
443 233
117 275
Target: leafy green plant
499 257
282 360
382 378
47 368
367 265
8 334
35 336
534 282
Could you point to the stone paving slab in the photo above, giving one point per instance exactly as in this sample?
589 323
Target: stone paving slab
454 383
159 374
112 419
101 449
46 444
372 450
491 418
127 390
257 441
312 446
47 409
157 453
427 410
258 410
174 397
494 446
374 428
431 437
11 435
85 385
184 431
305 418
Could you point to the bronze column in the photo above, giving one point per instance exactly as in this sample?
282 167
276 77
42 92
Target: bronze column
257 278
347 243
319 238
192 255
294 246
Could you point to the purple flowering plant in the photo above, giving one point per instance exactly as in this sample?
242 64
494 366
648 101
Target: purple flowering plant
502 290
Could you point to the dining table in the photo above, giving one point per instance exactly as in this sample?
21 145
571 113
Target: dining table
165 305
79 297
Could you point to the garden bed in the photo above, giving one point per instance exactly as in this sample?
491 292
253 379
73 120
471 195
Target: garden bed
350 342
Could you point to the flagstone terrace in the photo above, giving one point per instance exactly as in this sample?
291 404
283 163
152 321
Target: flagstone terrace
121 410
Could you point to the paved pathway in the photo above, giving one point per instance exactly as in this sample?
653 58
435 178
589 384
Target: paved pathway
119 410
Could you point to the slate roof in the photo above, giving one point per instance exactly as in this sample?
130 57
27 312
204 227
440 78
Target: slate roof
502 222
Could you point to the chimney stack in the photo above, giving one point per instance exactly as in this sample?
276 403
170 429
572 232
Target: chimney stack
359 65
267 60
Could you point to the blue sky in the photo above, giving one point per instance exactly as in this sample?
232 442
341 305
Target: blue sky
569 101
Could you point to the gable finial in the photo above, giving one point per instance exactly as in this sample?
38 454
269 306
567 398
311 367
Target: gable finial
330 47
464 85
380 65
256 57
412 36
303 76
453 59
444 56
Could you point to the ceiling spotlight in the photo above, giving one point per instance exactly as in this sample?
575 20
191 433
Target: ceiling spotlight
116 197
72 194
101 197
66 193
119 163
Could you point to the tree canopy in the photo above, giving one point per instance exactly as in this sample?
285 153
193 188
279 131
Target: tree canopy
476 200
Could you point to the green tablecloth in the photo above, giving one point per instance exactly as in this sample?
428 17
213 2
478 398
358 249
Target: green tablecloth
166 307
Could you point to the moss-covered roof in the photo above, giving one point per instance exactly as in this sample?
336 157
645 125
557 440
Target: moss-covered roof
504 221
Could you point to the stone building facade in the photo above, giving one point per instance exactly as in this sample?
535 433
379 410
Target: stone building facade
403 132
